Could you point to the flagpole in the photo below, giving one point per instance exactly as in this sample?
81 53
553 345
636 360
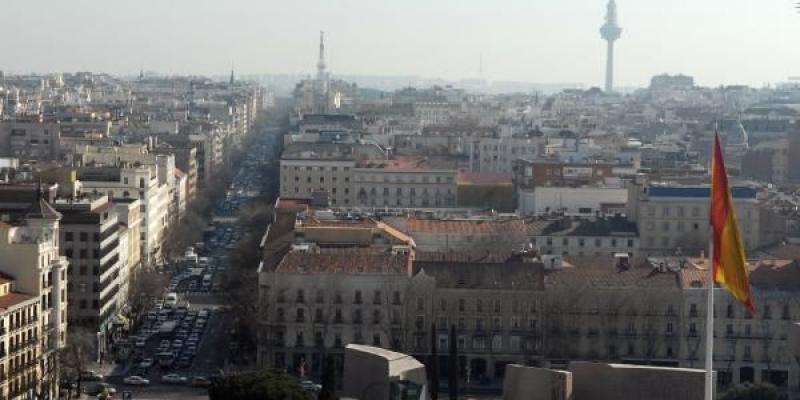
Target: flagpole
709 388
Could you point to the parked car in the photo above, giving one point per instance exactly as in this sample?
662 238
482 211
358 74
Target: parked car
136 380
312 387
174 379
146 363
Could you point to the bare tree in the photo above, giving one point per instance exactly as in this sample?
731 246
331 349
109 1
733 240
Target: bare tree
183 233
145 286
78 354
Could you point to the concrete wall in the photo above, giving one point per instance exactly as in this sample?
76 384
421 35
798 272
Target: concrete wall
528 383
370 371
598 381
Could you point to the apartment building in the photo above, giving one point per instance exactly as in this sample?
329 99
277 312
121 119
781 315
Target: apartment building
497 154
34 330
142 183
585 237
676 216
139 155
320 299
185 161
404 183
89 238
754 348
30 139
306 168
20 341
495 307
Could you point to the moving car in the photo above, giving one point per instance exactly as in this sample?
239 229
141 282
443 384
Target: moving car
91 376
136 380
174 378
146 363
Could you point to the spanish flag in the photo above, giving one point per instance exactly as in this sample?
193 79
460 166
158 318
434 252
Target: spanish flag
729 261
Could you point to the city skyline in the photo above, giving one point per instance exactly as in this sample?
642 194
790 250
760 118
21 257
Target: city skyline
166 38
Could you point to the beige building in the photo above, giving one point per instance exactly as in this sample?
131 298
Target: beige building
20 342
301 177
321 299
747 348
495 306
306 168
671 217
404 184
35 330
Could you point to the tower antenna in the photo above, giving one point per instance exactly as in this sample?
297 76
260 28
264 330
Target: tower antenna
610 32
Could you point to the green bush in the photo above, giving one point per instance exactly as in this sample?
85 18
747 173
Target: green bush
751 392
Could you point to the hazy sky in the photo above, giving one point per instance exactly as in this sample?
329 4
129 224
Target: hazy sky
717 41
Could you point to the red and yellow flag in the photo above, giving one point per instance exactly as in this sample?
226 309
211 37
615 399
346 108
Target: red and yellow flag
729 261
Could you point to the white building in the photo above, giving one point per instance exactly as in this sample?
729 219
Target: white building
135 182
581 201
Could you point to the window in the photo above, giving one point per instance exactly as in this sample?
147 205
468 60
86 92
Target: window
301 298
377 298
396 298
442 305
318 315
357 298
68 236
479 305
462 305
83 253
420 304
498 306
84 237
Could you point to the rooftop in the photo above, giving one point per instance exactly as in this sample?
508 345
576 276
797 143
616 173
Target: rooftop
507 274
466 226
12 299
346 261
737 192
610 226
598 274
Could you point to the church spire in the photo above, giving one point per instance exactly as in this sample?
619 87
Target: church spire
232 76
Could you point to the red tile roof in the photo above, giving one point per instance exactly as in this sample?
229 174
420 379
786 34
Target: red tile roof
12 299
464 226
609 277
348 261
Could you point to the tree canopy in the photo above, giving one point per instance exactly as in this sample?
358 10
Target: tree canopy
271 384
